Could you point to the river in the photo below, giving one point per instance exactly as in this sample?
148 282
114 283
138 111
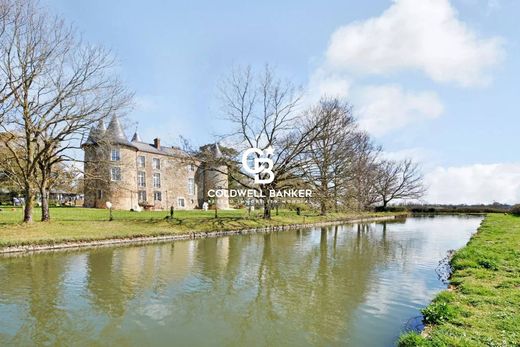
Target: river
354 285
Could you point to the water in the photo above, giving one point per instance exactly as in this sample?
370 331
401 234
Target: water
356 285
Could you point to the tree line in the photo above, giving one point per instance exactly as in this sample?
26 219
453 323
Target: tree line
320 147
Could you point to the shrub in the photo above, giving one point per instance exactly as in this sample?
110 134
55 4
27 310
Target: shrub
438 312
515 210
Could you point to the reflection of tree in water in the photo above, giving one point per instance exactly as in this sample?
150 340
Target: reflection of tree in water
313 290
37 283
299 287
104 283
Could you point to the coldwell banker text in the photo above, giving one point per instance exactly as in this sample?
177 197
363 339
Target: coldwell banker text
262 165
257 194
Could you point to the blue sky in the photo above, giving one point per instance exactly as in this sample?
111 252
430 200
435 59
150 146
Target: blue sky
435 80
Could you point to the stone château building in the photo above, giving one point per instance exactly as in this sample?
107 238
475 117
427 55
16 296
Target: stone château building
139 175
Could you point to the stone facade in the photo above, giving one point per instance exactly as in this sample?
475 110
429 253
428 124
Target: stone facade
138 175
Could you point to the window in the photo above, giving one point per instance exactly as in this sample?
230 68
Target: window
141 179
156 163
141 161
116 173
157 180
141 195
100 194
116 154
180 202
157 196
191 186
192 167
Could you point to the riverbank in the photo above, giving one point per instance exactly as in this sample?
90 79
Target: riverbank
482 305
78 227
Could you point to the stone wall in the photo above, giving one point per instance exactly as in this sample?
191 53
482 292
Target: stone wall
216 178
175 173
123 194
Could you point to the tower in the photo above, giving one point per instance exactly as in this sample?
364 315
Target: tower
216 176
109 167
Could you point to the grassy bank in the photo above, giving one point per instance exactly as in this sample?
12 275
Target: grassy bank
482 306
82 224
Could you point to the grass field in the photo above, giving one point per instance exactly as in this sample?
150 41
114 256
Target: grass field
83 224
482 307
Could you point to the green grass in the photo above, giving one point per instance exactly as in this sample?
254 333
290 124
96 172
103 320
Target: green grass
482 307
83 224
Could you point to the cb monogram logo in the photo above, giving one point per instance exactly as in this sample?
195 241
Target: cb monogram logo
260 167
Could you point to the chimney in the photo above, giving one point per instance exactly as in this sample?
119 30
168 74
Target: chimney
157 143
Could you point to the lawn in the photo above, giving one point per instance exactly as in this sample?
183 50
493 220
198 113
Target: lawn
482 307
84 224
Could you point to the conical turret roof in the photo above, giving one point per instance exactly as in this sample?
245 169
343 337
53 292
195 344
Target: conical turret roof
115 131
91 136
216 151
101 126
136 137
95 133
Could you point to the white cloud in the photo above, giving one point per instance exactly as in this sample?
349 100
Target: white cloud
381 109
424 35
479 183
329 85
428 159
493 5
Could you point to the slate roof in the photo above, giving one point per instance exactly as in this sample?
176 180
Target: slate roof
150 148
115 134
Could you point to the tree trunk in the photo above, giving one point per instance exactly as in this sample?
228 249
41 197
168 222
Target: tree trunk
46 216
29 204
324 193
336 209
323 207
267 209
44 192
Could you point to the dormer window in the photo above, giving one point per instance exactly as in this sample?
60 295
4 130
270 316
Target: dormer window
115 154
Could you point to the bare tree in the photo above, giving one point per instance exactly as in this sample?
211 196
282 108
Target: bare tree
57 87
361 190
264 112
398 180
329 157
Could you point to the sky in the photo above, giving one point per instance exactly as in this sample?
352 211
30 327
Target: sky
431 80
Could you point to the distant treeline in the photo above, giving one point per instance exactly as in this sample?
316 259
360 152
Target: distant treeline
490 208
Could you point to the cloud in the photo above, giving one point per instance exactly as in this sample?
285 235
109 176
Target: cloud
479 183
381 109
322 84
493 5
424 35
427 158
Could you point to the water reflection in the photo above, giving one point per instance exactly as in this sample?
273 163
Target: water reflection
351 284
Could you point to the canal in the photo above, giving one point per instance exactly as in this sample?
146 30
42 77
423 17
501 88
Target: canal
355 285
